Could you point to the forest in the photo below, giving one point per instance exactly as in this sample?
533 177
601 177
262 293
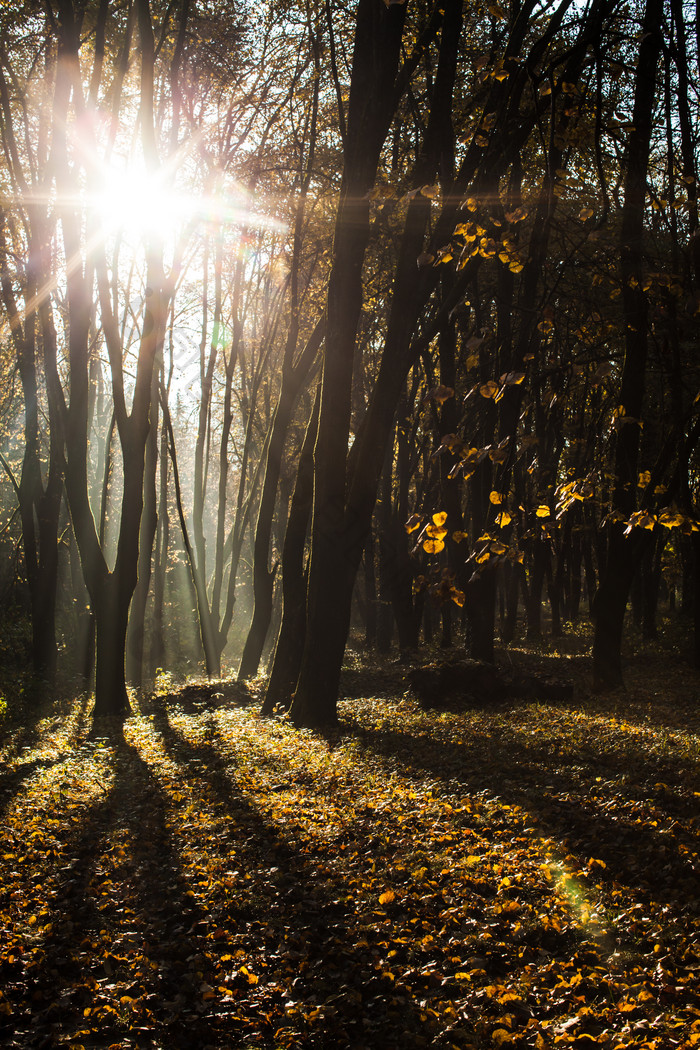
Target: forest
349 523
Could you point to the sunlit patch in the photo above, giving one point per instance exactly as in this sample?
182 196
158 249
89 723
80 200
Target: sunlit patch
580 903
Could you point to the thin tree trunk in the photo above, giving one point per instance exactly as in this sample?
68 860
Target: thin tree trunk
623 551
287 657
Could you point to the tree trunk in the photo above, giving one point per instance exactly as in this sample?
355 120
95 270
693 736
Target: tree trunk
334 560
370 594
617 576
264 577
149 523
481 614
111 604
290 641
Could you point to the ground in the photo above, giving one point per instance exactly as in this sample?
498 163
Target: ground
517 875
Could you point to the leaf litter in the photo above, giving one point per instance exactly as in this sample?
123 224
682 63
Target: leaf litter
524 876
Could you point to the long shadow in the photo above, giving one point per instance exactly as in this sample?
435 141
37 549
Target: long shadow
661 712
12 781
568 805
114 963
290 914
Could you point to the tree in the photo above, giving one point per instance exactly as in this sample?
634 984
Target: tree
624 552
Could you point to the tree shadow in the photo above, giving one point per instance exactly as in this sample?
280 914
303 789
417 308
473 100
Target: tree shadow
22 731
593 806
292 919
114 961
12 781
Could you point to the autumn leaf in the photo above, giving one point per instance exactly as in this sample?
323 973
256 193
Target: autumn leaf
433 546
441 393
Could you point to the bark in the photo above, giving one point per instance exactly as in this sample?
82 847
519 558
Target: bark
290 640
39 497
378 36
206 625
370 594
623 552
383 513
149 524
264 577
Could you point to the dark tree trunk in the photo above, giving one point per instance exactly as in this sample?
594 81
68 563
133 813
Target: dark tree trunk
263 575
157 651
513 574
383 513
286 660
39 498
149 523
370 594
651 568
334 557
536 583
481 614
696 602
623 552
111 617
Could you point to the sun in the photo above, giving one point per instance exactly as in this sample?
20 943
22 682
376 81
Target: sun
140 203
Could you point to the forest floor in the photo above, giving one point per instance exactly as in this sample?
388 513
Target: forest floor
523 874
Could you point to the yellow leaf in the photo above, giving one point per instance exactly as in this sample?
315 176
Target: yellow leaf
496 497
440 518
413 523
489 389
501 1037
542 511
433 546
503 519
586 213
670 518
387 897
